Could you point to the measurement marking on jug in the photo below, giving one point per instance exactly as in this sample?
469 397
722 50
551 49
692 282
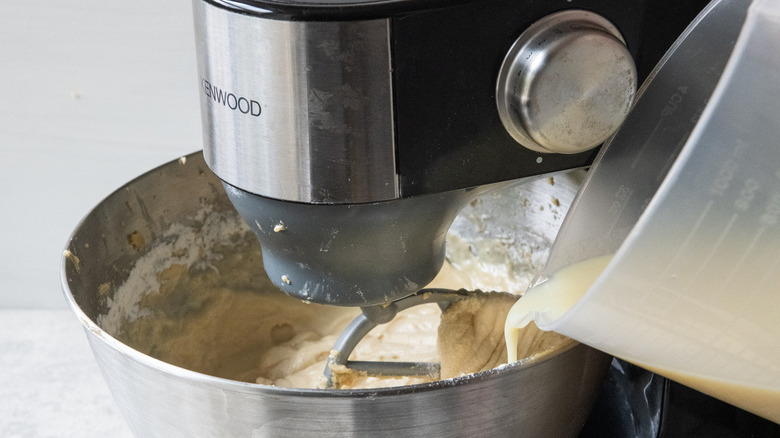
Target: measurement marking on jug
772 211
622 196
746 196
674 101
736 266
688 238
728 170
768 282
712 251
650 138
672 105
672 157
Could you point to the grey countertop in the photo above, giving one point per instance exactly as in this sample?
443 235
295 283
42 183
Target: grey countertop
50 384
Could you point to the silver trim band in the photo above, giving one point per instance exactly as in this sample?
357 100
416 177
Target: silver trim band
296 110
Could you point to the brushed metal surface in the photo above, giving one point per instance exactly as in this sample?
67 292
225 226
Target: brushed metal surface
566 84
296 110
547 397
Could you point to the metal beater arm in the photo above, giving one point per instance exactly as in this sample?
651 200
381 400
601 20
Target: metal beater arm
375 315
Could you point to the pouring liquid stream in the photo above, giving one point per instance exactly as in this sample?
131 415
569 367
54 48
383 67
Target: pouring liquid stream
546 302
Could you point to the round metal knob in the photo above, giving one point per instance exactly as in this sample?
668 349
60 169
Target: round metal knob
566 84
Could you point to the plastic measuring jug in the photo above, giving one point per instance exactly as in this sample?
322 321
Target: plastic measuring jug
687 197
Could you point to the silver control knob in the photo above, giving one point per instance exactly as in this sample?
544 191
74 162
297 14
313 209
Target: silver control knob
566 84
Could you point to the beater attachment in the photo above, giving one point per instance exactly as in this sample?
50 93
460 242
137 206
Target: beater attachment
373 316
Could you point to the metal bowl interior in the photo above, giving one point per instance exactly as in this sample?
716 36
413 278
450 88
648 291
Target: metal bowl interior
548 396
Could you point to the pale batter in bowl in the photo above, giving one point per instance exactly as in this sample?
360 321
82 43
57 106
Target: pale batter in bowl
201 300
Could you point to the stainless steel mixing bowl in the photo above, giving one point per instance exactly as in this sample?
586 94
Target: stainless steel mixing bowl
548 397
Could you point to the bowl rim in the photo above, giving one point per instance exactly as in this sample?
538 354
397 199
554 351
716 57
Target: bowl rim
94 331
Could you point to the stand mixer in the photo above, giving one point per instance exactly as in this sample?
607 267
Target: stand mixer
349 134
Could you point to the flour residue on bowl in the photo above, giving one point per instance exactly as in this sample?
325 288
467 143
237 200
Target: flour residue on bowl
180 244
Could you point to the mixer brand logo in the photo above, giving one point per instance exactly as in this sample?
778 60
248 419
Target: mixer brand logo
230 100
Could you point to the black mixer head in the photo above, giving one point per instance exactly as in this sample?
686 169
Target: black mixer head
349 131
351 254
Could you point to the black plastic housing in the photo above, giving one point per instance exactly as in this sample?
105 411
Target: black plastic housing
446 56
446 63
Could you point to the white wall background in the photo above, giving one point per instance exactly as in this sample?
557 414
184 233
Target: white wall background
92 94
